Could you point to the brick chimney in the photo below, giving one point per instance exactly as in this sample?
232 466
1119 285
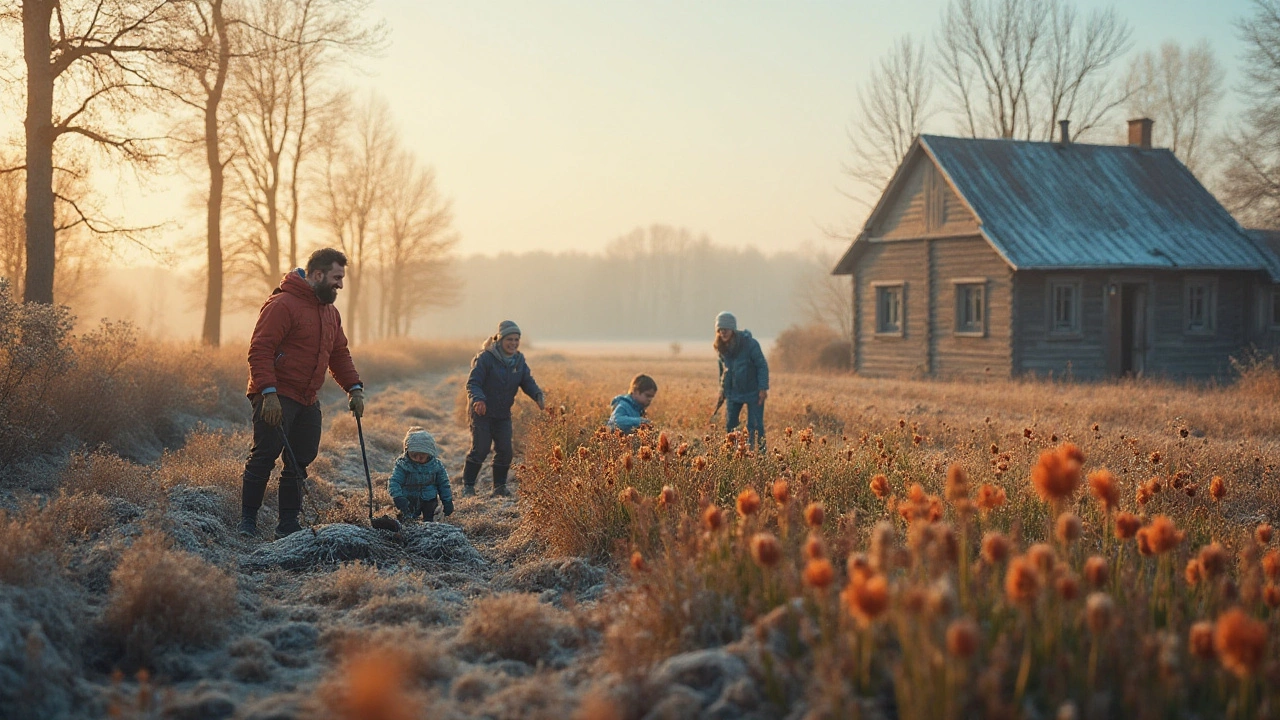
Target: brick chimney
1064 132
1140 133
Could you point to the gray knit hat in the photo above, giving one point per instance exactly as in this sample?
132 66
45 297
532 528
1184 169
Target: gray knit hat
507 327
419 440
726 321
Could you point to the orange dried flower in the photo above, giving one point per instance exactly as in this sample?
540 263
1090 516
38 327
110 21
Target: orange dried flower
1057 473
1191 573
765 549
583 452
637 562
1127 525
1213 559
1200 640
1217 488
1068 587
781 491
646 453
1069 527
957 482
1263 534
1163 535
818 573
700 463
712 518
1271 596
1042 557
962 638
1096 572
1241 642
1271 565
813 547
376 683
995 547
1097 612
1021 582
629 495
628 462
748 502
880 486
916 494
990 497
664 443
1106 488
667 497
866 597
814 514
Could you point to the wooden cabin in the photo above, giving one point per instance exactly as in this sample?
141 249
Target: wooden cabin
1007 258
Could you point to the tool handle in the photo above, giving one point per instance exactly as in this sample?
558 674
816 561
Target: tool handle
365 457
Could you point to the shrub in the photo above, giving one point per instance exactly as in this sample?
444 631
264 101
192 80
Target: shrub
351 584
806 348
104 473
1257 374
515 627
160 595
79 513
34 355
29 548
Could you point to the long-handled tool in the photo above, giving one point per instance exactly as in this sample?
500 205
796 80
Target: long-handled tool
302 483
382 522
719 404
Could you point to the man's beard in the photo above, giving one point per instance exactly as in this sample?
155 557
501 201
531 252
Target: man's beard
327 294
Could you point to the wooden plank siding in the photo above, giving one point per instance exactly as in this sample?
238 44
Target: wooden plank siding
1177 353
952 354
1041 353
925 206
883 355
1264 326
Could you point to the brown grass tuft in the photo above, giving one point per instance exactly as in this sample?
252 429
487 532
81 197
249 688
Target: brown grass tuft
29 548
351 584
110 475
515 627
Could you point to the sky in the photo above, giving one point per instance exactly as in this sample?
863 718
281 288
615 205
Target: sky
562 124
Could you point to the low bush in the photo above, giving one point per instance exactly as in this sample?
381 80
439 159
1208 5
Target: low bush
515 627
350 585
162 596
30 548
104 473
807 348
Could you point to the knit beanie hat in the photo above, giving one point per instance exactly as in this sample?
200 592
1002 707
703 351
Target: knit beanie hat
507 327
419 440
726 321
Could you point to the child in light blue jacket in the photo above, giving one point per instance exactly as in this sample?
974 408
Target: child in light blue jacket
419 481
628 410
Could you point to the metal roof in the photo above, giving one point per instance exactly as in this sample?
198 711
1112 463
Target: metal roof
1050 206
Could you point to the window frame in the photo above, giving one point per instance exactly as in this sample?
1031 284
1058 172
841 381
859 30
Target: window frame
1076 330
959 327
1210 310
877 289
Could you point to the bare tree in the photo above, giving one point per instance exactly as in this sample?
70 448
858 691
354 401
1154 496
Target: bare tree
86 73
822 298
1179 89
415 246
1251 178
1013 68
894 105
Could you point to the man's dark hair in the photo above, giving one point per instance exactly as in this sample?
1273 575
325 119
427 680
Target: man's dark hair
643 384
324 258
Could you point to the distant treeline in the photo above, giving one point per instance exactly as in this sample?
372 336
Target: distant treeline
657 284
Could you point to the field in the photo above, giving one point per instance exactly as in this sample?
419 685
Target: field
902 548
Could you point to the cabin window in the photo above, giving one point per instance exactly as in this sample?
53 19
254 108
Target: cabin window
971 307
1199 303
1064 307
890 310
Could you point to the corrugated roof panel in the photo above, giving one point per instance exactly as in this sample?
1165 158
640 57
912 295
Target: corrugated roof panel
1047 206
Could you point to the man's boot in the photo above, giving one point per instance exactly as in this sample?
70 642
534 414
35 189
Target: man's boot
248 522
470 471
288 523
500 480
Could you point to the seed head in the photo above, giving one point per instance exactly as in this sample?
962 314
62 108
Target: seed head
995 547
1217 488
880 486
1106 488
664 443
629 495
700 463
990 497
1271 596
1069 527
814 514
866 597
1097 612
1192 572
1271 565
667 497
957 482
628 462
781 491
1263 534
1057 473
1021 583
1200 640
712 518
818 573
813 547
1042 557
1127 525
962 638
765 549
748 502
1096 572
1162 534
1068 586
1213 560
637 562
1241 641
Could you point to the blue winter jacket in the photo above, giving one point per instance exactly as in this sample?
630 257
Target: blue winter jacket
423 481
495 381
627 414
743 370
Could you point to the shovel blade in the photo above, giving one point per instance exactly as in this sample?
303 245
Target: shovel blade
385 522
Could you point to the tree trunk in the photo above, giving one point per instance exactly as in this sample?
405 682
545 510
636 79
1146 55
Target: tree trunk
212 334
37 49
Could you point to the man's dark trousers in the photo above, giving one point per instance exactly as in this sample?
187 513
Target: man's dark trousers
302 423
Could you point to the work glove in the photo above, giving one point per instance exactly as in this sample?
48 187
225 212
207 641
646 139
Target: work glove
448 508
356 403
270 410
402 504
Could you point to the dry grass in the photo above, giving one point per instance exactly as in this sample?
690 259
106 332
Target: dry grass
382 362
894 589
29 548
109 475
350 585
79 514
209 459
160 595
515 627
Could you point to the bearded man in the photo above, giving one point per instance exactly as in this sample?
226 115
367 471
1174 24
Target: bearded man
298 335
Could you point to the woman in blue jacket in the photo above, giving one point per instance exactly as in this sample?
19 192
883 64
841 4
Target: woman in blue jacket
744 377
497 373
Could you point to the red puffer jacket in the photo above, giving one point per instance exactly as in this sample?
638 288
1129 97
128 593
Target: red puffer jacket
296 338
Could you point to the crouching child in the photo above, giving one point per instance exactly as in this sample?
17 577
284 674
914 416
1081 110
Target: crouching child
628 410
419 481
